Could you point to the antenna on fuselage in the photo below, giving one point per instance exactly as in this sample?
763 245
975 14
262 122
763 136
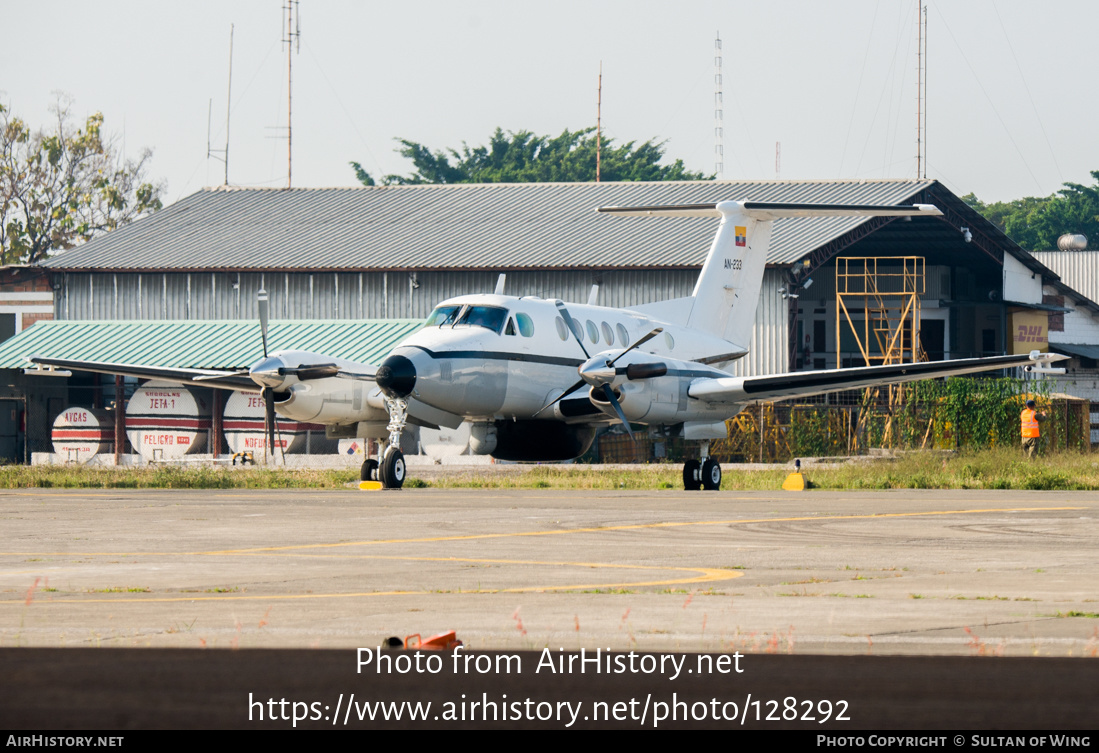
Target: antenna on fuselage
500 284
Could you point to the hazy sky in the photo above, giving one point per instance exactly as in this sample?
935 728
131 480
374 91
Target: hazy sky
1011 104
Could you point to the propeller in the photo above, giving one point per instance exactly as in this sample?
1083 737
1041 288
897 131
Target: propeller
263 304
270 423
600 375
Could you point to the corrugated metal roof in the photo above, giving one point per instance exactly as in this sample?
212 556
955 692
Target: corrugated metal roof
1078 269
468 226
202 344
1087 351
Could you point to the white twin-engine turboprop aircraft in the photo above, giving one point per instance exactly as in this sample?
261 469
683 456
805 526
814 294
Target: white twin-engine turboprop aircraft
536 378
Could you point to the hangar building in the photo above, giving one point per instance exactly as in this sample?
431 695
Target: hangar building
393 252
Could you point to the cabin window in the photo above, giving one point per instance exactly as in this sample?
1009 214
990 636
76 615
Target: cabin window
489 317
442 315
669 340
593 332
562 330
526 325
608 334
623 335
577 328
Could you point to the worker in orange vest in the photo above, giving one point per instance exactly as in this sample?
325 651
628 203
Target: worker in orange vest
1029 420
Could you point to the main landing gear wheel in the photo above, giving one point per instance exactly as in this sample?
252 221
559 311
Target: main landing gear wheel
392 471
369 471
692 477
711 475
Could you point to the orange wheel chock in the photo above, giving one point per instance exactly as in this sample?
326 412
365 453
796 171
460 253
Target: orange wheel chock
441 642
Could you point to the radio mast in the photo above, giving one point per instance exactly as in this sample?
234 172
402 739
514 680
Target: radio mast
719 114
293 44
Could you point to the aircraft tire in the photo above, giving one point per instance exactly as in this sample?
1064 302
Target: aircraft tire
369 470
711 475
691 479
392 471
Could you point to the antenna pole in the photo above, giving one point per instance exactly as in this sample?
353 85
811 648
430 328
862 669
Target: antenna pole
719 114
599 125
919 89
293 36
778 160
925 91
228 103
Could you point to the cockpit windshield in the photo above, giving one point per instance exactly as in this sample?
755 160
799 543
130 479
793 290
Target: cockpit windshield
489 317
442 315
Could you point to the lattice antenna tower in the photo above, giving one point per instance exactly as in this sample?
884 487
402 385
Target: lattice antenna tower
292 40
921 90
719 114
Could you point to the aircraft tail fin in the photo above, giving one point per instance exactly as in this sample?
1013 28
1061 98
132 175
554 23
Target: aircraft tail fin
728 288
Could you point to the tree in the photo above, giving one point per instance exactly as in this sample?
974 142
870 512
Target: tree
61 186
1037 223
524 157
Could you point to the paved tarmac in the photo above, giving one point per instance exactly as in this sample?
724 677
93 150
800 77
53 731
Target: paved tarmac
904 572
945 573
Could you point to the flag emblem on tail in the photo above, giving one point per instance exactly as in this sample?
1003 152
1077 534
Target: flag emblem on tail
742 235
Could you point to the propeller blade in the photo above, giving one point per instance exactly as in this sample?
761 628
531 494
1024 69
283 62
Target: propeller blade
574 325
646 370
312 371
269 406
637 344
562 396
263 305
609 394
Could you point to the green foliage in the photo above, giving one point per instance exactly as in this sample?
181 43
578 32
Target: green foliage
1036 223
809 434
524 157
61 186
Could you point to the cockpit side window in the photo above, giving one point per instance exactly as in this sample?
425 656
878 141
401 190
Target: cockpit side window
510 329
442 315
489 317
526 325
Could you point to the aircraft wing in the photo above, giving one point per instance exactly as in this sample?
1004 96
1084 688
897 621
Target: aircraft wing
806 383
226 380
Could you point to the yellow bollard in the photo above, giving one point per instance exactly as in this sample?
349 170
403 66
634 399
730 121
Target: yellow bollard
795 482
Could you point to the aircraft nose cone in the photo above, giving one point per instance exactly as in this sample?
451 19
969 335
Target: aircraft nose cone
396 376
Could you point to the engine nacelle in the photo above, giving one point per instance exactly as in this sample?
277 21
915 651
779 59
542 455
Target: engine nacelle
331 400
654 390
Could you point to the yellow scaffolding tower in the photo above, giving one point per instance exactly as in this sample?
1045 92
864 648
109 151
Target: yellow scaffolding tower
889 289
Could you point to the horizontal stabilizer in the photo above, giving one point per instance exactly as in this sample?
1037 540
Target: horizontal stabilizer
769 210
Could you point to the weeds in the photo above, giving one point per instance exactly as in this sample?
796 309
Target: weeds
995 468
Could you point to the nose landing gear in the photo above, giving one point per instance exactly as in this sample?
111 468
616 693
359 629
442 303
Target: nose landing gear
389 467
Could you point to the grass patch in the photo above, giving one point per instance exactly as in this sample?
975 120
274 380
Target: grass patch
996 468
1090 615
174 477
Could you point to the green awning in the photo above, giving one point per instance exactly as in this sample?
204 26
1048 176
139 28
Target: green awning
207 344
